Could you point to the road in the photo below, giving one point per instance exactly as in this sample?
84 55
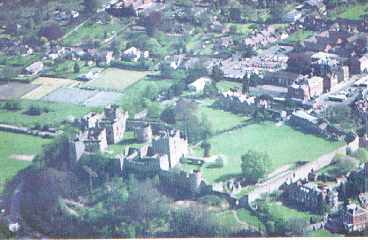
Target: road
274 183
323 99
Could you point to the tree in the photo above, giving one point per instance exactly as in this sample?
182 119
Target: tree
217 74
76 68
90 6
206 148
168 115
295 225
147 208
12 105
196 222
254 165
51 31
277 12
245 84
151 22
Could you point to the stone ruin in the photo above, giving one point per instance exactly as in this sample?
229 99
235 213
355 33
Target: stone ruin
97 131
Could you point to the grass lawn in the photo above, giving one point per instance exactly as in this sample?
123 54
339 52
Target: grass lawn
298 36
219 119
135 92
227 218
57 113
352 12
283 144
323 233
93 30
16 144
277 210
224 86
65 69
116 79
128 141
243 29
248 217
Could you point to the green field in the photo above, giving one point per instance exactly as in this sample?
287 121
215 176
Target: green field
352 12
283 144
135 93
298 36
65 69
16 144
248 217
219 119
224 86
323 233
94 31
57 113
129 141
277 210
115 79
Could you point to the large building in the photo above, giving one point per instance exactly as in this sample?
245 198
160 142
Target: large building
171 143
311 196
97 131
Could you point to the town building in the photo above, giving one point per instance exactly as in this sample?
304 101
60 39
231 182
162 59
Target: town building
306 88
237 102
354 218
199 84
359 65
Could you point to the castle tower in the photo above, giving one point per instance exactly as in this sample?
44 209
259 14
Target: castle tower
144 133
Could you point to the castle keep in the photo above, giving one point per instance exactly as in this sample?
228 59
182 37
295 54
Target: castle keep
97 131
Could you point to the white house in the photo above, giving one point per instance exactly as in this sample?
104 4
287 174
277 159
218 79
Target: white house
199 84
34 68
134 54
293 16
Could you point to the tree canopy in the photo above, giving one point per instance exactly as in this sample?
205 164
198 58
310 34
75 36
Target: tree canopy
254 165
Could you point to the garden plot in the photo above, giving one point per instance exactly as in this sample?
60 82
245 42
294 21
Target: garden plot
70 95
48 85
114 79
15 90
103 98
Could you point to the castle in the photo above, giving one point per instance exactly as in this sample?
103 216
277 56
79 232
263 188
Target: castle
160 157
97 131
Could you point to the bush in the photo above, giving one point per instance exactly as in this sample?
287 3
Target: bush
34 110
12 105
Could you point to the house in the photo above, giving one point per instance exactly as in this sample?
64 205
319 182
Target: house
129 7
280 78
363 199
306 88
293 16
34 68
133 54
354 218
237 102
199 84
359 65
105 57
